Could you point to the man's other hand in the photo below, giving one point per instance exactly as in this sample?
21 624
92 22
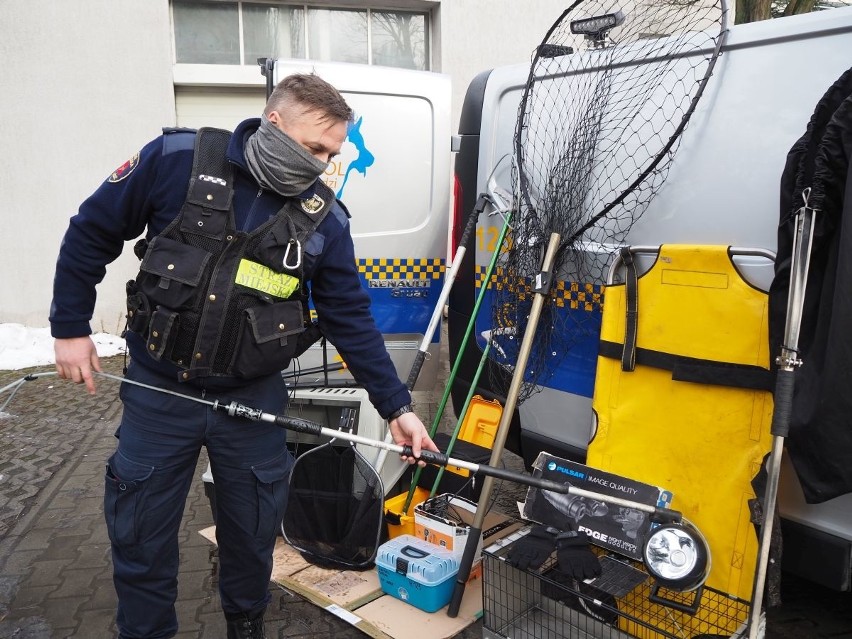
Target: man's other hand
76 358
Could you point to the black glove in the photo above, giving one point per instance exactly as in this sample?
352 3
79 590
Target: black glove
575 557
533 549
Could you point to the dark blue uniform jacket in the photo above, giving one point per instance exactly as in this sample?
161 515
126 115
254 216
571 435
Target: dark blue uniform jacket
149 195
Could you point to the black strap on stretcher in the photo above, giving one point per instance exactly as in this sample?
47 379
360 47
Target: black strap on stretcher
631 325
693 369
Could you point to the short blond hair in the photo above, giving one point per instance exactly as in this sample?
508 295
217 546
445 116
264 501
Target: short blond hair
305 92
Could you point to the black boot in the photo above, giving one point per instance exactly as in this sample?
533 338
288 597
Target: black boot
245 625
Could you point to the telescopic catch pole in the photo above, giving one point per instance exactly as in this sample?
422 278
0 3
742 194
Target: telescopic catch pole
311 428
788 361
235 409
437 312
299 425
491 198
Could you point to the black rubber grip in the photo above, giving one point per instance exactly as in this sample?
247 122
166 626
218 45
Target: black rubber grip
527 480
298 425
465 565
415 369
470 226
783 398
430 457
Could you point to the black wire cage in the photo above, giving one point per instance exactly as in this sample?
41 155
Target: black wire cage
623 603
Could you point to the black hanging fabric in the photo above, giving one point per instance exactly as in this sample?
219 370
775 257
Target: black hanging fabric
817 173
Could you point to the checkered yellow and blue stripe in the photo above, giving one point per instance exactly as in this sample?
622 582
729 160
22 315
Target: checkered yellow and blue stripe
403 291
428 268
574 295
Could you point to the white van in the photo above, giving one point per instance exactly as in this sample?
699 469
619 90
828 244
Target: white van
723 188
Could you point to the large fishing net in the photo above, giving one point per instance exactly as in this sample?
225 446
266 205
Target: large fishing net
609 92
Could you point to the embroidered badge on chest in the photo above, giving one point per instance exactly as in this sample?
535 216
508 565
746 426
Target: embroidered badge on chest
124 170
313 205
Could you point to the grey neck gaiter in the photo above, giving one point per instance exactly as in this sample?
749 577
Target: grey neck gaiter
279 163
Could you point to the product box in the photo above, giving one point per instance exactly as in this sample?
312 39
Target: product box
617 528
417 572
444 520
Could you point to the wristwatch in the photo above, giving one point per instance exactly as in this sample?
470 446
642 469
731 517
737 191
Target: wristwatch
399 412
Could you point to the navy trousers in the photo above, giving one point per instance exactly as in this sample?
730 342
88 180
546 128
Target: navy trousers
149 476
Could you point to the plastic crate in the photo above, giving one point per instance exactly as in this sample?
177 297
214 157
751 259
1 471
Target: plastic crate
621 604
474 442
399 523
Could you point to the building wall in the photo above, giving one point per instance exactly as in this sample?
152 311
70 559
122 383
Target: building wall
86 84
482 34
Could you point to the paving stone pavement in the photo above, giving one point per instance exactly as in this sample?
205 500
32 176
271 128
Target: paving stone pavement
55 567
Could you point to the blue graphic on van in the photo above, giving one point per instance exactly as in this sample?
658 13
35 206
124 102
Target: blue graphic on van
363 160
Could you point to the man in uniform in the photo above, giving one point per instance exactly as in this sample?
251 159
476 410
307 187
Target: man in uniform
239 233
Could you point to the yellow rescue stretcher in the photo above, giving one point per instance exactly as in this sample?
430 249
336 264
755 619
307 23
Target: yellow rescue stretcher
682 397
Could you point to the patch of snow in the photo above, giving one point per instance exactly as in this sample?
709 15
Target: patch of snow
24 347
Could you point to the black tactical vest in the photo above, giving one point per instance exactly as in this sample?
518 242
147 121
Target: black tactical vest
216 301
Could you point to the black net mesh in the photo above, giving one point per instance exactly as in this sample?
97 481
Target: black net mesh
598 126
335 513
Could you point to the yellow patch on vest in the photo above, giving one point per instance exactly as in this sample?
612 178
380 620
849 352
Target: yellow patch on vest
262 278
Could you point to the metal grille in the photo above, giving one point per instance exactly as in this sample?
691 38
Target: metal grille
521 604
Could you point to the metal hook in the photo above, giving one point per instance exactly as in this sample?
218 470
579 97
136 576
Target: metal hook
806 194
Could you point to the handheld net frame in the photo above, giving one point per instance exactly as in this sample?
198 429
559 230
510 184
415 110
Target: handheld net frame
609 93
335 514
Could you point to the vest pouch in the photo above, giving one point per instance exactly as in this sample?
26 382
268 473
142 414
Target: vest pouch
162 332
138 309
268 338
171 271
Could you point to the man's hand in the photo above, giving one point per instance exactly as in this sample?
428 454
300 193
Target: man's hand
76 358
407 429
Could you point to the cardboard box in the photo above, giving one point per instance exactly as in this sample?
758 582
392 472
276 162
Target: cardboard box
444 520
617 528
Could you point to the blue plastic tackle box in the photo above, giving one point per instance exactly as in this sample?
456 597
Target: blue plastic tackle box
417 572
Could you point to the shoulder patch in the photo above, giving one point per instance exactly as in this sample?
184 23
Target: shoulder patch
124 170
314 204
176 140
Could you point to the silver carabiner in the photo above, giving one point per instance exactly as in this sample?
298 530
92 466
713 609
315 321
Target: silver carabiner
298 255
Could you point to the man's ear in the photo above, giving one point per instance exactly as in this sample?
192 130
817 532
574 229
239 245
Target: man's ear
274 117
